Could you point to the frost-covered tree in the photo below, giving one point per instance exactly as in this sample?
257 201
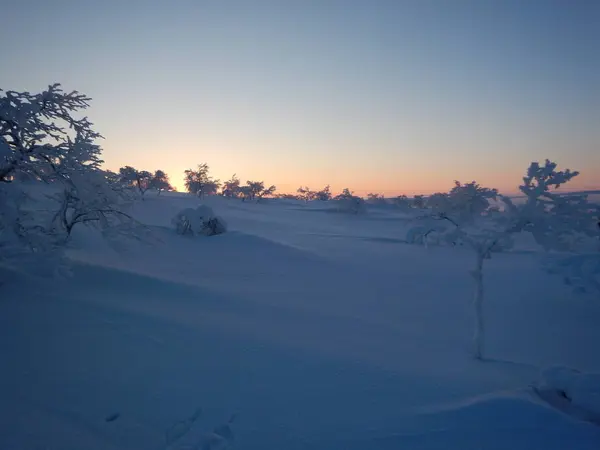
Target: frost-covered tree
199 182
50 178
160 182
138 179
34 141
89 199
231 187
555 222
562 223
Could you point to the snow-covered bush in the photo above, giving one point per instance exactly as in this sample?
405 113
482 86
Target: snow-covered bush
199 221
347 202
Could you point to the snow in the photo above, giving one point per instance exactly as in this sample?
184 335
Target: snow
311 329
580 390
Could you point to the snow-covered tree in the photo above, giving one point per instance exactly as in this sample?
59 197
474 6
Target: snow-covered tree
555 221
89 199
34 140
160 182
138 179
199 182
231 187
50 178
562 223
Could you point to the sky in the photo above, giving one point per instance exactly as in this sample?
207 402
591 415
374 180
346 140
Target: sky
388 96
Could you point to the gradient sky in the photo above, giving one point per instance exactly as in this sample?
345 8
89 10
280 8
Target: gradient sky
379 96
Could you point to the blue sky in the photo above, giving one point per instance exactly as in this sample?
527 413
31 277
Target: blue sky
387 96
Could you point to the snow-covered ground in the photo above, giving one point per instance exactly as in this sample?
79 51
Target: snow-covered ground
311 329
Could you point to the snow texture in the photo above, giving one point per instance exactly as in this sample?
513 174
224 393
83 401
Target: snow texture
296 329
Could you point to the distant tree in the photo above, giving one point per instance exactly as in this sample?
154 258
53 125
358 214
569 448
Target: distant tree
348 202
418 202
402 201
160 182
231 188
376 199
346 193
324 194
140 179
199 182
268 192
288 196
438 201
305 194
255 190
211 188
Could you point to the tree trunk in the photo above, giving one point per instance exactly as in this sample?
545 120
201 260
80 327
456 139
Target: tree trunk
478 336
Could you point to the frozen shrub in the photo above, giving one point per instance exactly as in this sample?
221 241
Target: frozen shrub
199 221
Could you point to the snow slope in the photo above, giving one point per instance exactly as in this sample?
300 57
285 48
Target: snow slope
316 329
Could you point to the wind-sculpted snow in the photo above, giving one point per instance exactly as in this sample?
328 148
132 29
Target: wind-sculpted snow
296 329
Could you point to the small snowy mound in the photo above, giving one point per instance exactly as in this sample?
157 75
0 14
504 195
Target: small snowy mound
496 421
574 392
199 221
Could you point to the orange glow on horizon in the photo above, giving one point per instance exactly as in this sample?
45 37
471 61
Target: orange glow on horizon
415 183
